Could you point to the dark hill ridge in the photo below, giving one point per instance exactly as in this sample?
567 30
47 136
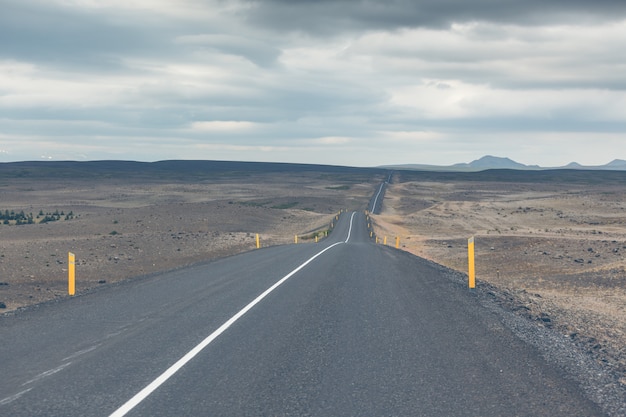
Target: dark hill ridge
172 169
546 176
182 170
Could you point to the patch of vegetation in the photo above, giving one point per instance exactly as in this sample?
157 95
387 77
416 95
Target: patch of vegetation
283 206
11 217
252 204
320 234
286 206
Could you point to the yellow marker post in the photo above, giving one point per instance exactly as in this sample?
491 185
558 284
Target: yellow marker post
71 283
258 242
315 238
397 242
385 241
470 262
296 239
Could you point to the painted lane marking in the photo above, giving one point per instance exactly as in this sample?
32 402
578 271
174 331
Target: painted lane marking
161 379
377 195
12 398
81 352
350 229
47 373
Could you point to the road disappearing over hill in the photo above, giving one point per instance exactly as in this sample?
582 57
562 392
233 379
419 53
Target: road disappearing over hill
342 327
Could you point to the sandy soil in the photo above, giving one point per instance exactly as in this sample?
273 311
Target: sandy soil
555 253
552 252
128 227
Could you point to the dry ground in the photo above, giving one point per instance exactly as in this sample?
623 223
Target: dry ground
554 252
125 227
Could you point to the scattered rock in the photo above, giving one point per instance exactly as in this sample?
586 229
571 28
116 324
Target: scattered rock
579 261
2 305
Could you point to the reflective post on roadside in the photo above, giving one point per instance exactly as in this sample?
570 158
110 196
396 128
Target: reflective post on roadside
470 262
71 279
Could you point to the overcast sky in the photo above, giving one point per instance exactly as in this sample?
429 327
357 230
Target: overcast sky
346 82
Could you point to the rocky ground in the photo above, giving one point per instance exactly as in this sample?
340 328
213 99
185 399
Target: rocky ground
552 252
126 227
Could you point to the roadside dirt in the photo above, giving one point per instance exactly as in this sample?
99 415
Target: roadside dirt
552 252
122 228
555 253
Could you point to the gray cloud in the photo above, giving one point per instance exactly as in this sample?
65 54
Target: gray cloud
44 33
336 16
364 81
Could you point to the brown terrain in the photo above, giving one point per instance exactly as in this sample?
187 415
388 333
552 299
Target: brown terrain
553 250
551 247
123 225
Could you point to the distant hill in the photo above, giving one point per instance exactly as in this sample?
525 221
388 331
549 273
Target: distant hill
494 162
172 169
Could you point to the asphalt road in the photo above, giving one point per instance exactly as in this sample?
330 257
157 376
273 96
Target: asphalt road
359 330
376 203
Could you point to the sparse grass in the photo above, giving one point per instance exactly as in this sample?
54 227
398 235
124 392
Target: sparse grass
320 234
286 206
252 203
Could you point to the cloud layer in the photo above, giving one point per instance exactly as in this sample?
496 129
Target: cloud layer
344 82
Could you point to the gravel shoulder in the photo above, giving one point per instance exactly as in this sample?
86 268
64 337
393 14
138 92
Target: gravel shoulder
554 253
551 253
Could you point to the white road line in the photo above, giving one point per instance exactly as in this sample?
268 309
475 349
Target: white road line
350 229
12 398
377 195
144 393
47 373
81 352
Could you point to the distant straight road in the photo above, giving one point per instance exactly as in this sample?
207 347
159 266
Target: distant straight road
353 329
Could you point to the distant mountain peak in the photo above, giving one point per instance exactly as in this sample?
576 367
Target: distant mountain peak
617 163
573 165
492 162
496 162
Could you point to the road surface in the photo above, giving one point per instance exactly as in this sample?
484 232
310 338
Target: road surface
351 329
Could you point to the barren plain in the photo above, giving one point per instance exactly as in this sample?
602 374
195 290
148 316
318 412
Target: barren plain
124 225
551 246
